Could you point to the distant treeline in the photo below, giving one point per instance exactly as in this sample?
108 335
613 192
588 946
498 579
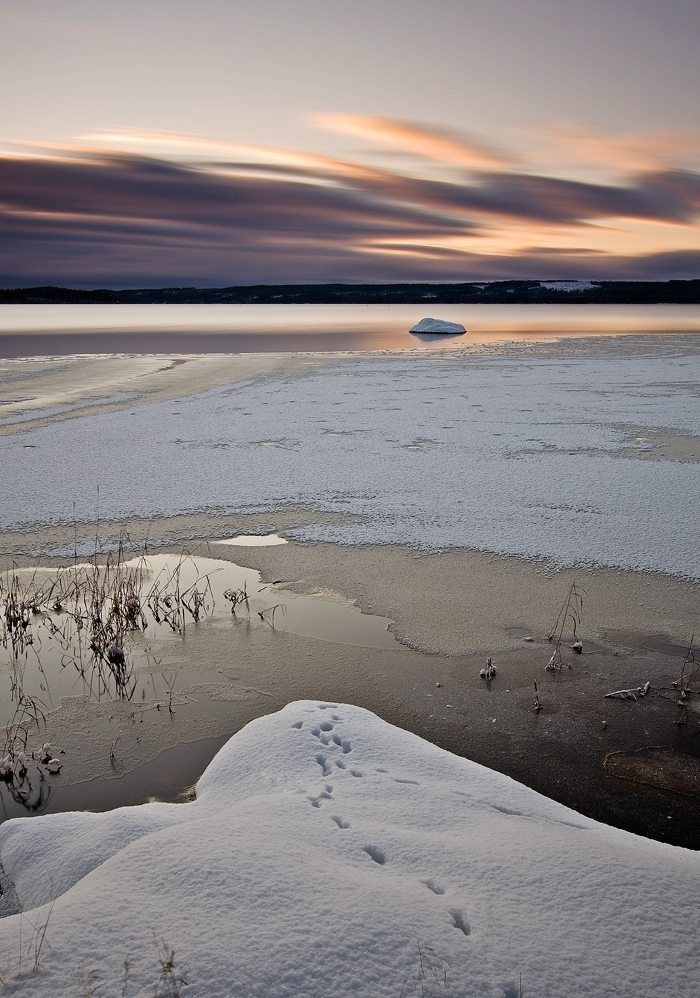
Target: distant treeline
494 292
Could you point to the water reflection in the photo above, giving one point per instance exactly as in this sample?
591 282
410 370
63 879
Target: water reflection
182 328
108 632
435 337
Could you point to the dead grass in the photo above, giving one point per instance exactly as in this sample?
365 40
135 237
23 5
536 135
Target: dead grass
569 617
268 614
171 980
238 597
29 953
425 979
168 984
22 770
88 615
101 605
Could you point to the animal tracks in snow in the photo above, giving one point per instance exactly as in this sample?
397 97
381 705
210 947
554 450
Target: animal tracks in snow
328 733
323 733
459 921
342 743
376 854
433 886
323 763
316 801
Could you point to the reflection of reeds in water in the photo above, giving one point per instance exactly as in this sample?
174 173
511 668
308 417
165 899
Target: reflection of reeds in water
87 615
170 604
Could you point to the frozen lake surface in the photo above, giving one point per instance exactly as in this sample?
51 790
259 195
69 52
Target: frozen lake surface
564 458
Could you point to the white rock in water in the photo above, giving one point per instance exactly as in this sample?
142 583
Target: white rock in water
437 326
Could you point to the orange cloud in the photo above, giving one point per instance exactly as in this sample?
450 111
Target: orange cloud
416 139
629 152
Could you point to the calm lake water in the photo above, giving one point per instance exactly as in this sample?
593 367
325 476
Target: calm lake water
68 329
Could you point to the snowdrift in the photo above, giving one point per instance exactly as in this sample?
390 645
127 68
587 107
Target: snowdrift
329 853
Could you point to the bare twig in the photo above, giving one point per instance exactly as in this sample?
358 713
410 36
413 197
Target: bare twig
632 694
570 614
538 702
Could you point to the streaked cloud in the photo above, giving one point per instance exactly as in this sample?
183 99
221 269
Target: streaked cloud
628 152
151 209
417 139
223 150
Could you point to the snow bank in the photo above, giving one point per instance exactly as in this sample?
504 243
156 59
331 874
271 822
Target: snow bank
324 848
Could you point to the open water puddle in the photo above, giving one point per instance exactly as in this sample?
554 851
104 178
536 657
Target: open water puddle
54 651
118 636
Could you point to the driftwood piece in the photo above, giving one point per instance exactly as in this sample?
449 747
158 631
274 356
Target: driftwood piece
633 694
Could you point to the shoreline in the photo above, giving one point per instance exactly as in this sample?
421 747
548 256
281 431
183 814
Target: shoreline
560 751
450 610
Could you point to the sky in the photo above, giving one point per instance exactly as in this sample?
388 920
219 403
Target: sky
174 143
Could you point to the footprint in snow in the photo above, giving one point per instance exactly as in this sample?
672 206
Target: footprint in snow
321 760
339 821
322 732
433 886
459 921
316 801
376 854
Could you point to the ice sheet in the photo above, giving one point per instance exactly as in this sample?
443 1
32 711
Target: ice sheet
531 457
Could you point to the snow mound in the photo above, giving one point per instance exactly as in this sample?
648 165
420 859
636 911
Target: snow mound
330 853
437 326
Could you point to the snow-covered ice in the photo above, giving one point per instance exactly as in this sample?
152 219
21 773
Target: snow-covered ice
437 326
324 848
526 456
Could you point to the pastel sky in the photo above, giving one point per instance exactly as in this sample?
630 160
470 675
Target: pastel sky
173 142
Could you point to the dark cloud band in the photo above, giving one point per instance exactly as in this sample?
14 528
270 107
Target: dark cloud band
120 220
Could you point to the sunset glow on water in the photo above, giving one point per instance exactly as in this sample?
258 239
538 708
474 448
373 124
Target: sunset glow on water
37 329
